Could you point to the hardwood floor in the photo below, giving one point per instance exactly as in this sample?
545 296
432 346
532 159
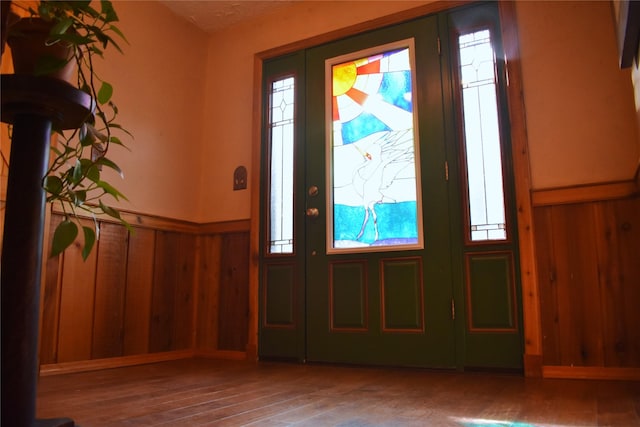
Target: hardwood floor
199 392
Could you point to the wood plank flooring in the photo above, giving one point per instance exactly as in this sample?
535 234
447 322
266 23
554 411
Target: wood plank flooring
197 392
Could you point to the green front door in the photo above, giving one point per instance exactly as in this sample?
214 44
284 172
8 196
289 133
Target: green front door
380 243
378 265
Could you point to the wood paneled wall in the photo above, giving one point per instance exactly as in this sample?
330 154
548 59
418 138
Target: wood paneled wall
588 256
159 289
184 288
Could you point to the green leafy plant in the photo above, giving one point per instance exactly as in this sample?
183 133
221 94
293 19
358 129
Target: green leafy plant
74 180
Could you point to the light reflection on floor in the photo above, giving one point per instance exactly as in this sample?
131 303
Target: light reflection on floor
480 422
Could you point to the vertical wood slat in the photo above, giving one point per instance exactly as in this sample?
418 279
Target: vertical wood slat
547 286
233 317
50 303
76 304
628 226
522 179
108 324
207 321
164 279
577 277
618 240
589 303
183 293
138 293
172 296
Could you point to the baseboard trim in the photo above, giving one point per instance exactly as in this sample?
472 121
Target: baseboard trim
221 354
533 365
591 373
113 362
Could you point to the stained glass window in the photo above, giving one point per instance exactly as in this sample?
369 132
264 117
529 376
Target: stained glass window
372 151
482 137
281 133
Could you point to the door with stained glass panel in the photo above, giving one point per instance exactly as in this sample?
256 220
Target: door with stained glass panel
378 264
388 225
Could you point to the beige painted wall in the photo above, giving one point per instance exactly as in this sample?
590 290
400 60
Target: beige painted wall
188 99
159 85
158 88
579 104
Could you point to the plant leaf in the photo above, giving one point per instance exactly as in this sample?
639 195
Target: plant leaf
110 211
77 172
108 188
65 234
73 38
89 241
97 51
96 133
108 163
80 197
117 141
52 184
81 5
105 92
47 64
93 173
118 32
117 126
108 11
62 26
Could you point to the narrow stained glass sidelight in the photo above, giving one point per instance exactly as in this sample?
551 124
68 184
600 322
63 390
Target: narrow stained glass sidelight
482 137
281 134
372 151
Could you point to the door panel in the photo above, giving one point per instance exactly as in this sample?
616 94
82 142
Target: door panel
282 235
489 242
348 302
365 305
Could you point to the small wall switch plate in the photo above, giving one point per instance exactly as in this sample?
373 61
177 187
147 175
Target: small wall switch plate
240 178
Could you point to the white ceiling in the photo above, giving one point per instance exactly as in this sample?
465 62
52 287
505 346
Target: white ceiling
215 15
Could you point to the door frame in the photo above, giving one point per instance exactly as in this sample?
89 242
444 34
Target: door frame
520 158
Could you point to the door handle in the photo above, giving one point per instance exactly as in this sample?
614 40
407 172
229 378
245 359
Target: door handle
313 212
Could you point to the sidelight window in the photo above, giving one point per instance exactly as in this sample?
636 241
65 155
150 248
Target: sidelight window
281 142
485 189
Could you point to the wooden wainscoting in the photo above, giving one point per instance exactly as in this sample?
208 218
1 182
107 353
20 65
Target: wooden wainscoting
222 319
170 289
589 276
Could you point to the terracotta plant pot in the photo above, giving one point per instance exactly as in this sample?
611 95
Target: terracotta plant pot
28 43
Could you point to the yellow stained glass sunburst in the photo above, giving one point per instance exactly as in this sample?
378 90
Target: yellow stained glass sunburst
344 76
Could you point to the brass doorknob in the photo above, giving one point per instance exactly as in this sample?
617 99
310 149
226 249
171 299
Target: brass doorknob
313 212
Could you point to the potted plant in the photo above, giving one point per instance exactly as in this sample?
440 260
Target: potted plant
74 33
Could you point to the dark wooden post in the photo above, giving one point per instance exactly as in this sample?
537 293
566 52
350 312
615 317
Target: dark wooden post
32 105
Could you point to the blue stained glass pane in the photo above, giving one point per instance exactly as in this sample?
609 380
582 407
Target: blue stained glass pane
363 125
396 89
350 222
